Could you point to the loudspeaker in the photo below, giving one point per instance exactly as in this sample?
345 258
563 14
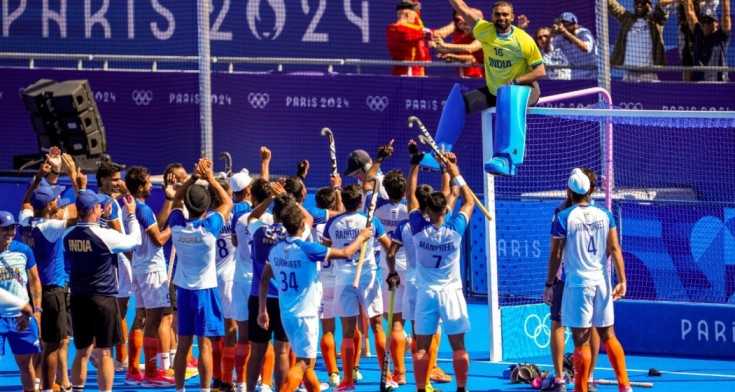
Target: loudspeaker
34 96
72 96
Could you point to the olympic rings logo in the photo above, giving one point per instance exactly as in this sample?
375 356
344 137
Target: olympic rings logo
377 103
538 330
259 100
142 97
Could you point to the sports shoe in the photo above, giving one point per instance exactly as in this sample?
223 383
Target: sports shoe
438 376
390 385
343 387
399 378
264 388
159 379
323 386
134 378
334 379
356 375
226 387
216 385
301 388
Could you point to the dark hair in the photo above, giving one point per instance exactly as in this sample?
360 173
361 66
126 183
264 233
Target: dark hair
593 179
352 197
171 167
135 178
260 191
503 4
291 218
437 202
213 194
395 185
325 198
281 202
106 170
295 187
422 193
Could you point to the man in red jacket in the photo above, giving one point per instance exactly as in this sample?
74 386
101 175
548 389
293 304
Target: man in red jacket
406 39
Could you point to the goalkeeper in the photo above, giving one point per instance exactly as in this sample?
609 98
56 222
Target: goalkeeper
511 57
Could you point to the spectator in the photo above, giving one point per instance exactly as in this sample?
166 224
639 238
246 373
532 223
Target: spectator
686 37
640 41
551 55
464 47
710 41
406 39
577 44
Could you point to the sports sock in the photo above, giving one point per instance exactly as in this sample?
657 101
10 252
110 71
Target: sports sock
461 363
228 363
617 359
329 352
311 382
398 351
165 361
269 363
293 379
242 352
432 354
380 345
357 344
150 349
421 369
135 344
348 360
217 359
582 365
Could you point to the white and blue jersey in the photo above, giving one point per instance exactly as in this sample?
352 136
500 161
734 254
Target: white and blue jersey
115 215
438 251
244 251
225 255
585 229
148 257
342 230
391 215
196 244
403 235
43 236
295 265
238 210
15 261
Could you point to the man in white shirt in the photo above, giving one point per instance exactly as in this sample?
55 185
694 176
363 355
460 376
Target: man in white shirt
577 44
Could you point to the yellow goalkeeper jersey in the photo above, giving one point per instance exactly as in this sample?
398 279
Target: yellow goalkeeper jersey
507 56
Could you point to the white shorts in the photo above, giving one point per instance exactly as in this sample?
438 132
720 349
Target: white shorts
326 309
241 291
408 304
151 290
447 305
124 277
400 292
586 307
348 299
225 293
303 334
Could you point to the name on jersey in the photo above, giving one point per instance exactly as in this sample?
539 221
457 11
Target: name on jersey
495 63
190 239
11 274
347 234
446 247
287 263
79 246
594 226
390 222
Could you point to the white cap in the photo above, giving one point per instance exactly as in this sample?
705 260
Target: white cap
240 180
578 182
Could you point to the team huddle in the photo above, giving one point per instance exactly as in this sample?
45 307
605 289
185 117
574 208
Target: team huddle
250 271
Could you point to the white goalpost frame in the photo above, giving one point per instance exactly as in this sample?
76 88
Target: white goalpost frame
205 79
606 147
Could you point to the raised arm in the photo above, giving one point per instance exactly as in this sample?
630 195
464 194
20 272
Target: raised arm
726 17
614 251
205 170
413 175
265 163
468 202
384 152
42 172
119 242
691 16
470 15
616 9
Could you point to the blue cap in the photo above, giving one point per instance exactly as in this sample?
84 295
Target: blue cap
568 17
87 200
6 219
45 194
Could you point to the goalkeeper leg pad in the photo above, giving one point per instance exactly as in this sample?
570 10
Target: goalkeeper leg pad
451 124
509 144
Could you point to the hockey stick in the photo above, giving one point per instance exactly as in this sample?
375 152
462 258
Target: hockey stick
363 248
386 356
332 150
426 139
641 384
225 156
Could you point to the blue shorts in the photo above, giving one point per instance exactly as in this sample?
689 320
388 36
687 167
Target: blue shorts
21 342
558 290
199 312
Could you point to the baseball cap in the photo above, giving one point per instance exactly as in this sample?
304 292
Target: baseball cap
406 5
6 219
240 180
87 200
578 182
357 160
568 17
707 19
45 194
197 199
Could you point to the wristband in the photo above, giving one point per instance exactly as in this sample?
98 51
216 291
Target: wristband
459 181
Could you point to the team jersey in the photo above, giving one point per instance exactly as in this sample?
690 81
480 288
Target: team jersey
391 215
115 215
238 210
403 235
196 245
244 231
295 265
43 236
225 255
92 251
326 272
148 257
342 230
585 229
438 251
507 56
15 261
263 239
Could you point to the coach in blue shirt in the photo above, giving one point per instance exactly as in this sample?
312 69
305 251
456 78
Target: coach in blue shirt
91 252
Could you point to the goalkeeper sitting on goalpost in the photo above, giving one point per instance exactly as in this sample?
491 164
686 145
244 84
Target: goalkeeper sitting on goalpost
511 57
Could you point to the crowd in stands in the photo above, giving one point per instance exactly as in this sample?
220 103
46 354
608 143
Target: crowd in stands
570 49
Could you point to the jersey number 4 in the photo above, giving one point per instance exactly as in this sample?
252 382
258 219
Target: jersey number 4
288 281
591 247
